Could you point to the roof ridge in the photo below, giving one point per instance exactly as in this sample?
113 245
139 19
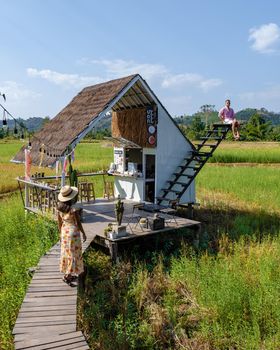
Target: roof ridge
132 76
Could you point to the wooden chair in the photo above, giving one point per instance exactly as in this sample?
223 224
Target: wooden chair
108 190
86 191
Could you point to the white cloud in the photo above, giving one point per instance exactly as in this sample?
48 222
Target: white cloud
190 79
63 79
118 68
269 96
181 79
208 84
17 92
266 38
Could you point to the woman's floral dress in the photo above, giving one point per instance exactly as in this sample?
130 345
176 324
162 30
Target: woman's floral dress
71 261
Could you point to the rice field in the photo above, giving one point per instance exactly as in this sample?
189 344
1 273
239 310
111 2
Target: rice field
98 155
88 157
255 186
224 301
247 152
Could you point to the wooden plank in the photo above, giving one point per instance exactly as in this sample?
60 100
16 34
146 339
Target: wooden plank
77 342
51 339
27 314
69 292
59 300
56 329
53 262
58 318
46 282
82 345
49 287
50 275
38 308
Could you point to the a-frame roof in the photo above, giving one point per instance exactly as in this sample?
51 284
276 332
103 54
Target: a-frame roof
78 117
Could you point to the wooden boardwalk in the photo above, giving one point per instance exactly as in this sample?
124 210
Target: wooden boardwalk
47 318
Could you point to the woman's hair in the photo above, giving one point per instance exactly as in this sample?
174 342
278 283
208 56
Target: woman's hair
64 207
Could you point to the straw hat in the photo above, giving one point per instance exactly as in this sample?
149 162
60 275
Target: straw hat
67 193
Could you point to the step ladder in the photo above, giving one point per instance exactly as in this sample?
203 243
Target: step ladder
192 164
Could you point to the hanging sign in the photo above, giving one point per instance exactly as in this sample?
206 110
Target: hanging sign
152 120
119 159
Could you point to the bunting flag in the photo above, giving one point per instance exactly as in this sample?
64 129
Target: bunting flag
63 167
27 154
42 153
57 168
65 164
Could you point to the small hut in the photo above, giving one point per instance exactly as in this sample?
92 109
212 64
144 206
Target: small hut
148 145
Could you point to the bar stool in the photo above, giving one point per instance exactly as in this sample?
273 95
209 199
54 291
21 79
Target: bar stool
86 191
108 190
91 191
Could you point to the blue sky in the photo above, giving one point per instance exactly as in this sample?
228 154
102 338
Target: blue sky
190 52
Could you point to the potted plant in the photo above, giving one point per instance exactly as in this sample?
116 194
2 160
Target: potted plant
119 209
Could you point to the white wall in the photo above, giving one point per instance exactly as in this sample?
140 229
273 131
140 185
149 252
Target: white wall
129 188
172 148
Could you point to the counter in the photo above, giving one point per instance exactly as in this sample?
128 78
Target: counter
129 187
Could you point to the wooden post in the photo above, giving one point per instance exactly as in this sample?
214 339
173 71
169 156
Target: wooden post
190 210
113 249
196 239
26 188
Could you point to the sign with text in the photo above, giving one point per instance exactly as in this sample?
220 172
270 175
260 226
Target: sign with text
152 120
119 159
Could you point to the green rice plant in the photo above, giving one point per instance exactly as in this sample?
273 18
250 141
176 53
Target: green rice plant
256 186
247 152
89 157
237 293
23 240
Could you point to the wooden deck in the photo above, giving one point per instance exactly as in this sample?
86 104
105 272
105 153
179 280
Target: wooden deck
47 318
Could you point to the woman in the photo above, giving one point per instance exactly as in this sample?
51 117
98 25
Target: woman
70 227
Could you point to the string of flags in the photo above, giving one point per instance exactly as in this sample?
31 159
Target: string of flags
20 128
62 160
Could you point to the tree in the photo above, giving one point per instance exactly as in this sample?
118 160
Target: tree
257 128
45 121
207 110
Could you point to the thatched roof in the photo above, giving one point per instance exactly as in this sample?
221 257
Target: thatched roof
62 130
83 112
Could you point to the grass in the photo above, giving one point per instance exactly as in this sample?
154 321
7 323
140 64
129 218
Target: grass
98 155
23 240
223 296
255 186
227 301
89 157
247 152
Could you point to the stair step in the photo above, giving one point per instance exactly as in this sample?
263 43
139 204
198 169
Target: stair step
177 183
168 190
206 145
191 167
197 158
179 174
220 125
214 131
187 167
163 199
211 138
198 153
